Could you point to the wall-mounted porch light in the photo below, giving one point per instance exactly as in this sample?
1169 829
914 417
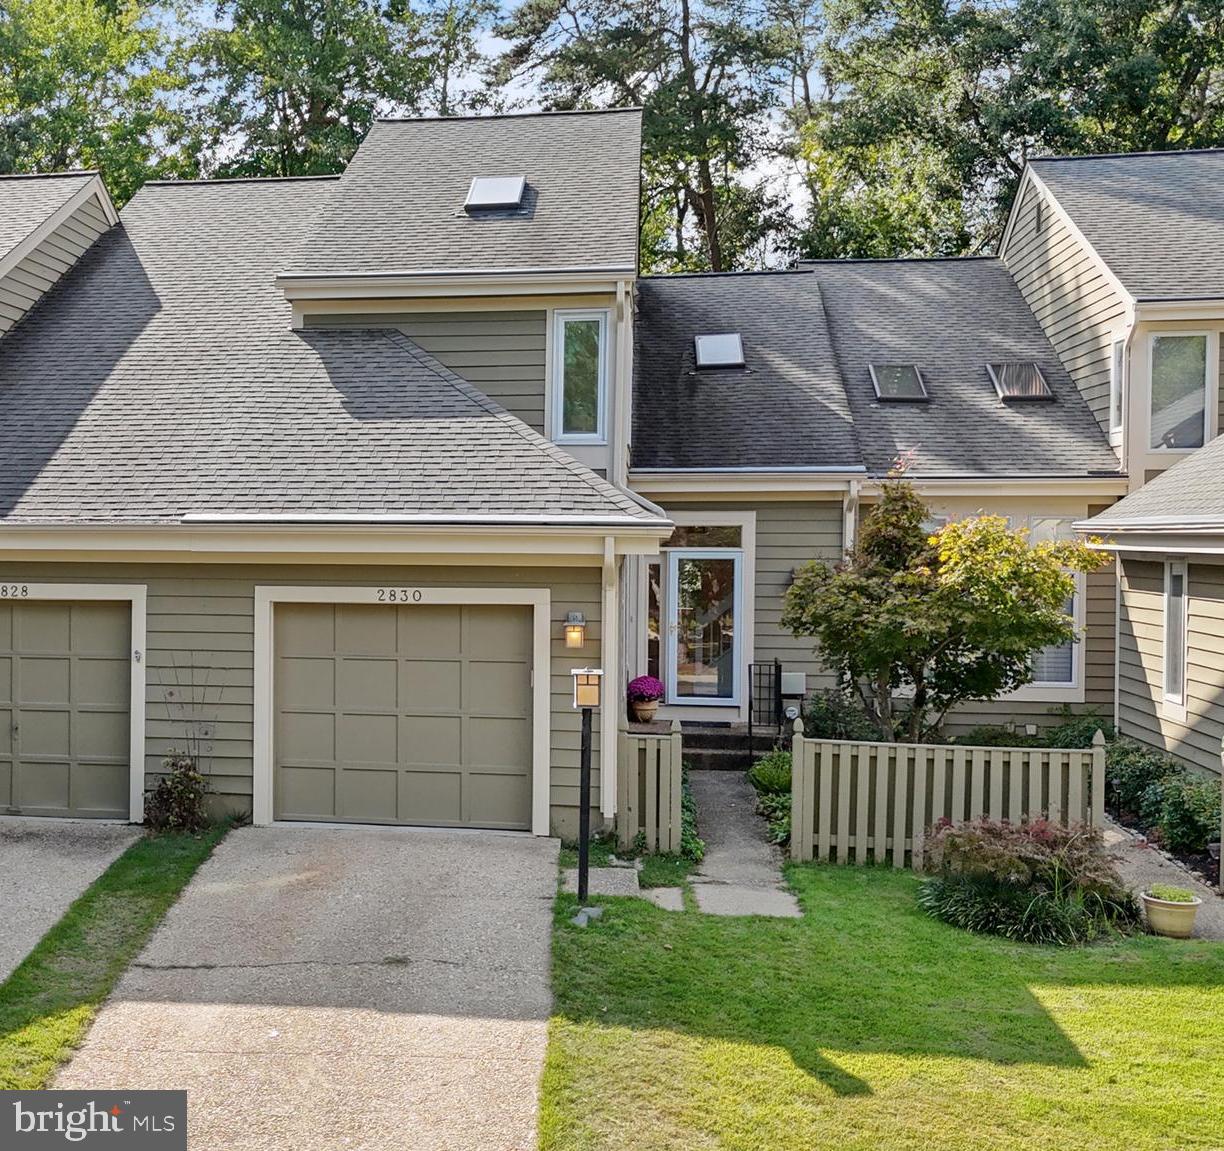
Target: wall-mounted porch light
575 629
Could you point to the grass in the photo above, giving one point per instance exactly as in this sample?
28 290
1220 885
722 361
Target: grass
665 870
48 1003
867 1025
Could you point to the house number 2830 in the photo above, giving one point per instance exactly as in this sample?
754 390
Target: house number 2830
14 591
399 595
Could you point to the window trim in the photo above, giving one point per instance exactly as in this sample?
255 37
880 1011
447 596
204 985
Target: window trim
1173 705
1161 449
1045 691
560 317
674 557
1117 383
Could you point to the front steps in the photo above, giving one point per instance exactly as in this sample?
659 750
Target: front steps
724 746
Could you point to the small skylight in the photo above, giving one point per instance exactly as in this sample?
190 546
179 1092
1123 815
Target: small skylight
897 382
495 192
1019 380
720 350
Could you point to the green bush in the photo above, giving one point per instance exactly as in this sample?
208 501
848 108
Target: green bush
1036 882
178 802
1189 813
837 714
771 774
692 846
1134 779
992 736
1077 730
776 808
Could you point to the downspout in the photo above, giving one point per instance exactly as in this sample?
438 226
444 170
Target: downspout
850 516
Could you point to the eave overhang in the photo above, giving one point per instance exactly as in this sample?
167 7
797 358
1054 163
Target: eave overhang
443 282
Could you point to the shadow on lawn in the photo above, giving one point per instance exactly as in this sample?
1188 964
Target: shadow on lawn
864 971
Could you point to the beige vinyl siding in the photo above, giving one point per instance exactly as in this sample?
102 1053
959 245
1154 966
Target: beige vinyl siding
1141 663
22 288
501 353
200 654
1073 300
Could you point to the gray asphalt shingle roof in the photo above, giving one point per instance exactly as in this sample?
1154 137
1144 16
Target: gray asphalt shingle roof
951 318
1191 490
161 377
26 201
398 208
784 408
1155 218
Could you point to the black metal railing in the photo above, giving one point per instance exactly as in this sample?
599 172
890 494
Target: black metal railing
764 697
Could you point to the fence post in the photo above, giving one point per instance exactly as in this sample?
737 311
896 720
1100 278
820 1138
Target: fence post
1097 819
677 776
799 840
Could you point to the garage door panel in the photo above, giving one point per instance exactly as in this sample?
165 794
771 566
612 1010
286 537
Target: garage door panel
367 739
6 678
495 800
431 686
498 688
94 785
46 679
45 732
433 630
105 734
432 714
44 786
498 742
6 731
307 792
307 682
43 627
430 797
369 794
6 625
98 628
371 684
307 735
103 682
6 784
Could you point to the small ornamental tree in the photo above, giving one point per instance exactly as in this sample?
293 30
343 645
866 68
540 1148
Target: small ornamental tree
942 618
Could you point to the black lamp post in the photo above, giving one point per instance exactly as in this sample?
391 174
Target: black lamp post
586 698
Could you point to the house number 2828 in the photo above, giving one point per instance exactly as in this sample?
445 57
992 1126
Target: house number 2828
14 591
399 595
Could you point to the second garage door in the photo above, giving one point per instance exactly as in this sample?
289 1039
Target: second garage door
416 714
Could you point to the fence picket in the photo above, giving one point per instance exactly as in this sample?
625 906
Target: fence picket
919 821
959 797
880 840
977 784
996 784
825 836
1058 762
1015 802
843 802
939 780
901 804
1080 761
1098 782
862 787
1034 808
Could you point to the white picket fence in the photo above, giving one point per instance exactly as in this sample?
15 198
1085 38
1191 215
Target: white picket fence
875 802
649 775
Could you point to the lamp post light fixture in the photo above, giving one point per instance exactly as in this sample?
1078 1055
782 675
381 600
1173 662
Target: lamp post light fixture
587 683
575 629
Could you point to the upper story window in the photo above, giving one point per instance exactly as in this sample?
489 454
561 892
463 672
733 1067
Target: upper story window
1179 391
1175 634
580 376
1117 365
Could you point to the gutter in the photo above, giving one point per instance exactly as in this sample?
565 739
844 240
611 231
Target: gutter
442 519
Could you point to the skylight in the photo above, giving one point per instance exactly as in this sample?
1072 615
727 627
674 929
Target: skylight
897 382
495 192
1019 380
720 350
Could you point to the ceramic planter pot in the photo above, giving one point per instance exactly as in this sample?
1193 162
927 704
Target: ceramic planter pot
1166 917
644 709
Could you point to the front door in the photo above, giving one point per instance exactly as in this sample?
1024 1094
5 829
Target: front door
704 609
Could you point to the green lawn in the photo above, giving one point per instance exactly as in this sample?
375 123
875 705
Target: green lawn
48 1003
866 1025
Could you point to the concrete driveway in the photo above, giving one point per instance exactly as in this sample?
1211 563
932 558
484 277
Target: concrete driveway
364 989
44 865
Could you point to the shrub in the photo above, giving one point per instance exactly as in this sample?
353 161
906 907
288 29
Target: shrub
1135 778
1189 812
776 808
1171 894
692 846
177 803
1037 882
644 689
771 774
990 736
1077 730
837 714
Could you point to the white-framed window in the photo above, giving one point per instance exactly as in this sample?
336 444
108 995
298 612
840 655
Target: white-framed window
1180 390
1176 605
1055 664
1117 367
580 376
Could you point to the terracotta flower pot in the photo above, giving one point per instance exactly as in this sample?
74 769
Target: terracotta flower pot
1168 917
644 709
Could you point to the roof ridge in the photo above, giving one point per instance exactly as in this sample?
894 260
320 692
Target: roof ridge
541 443
49 175
195 183
835 260
510 115
725 275
1145 154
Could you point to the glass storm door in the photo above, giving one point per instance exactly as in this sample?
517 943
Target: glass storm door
703 608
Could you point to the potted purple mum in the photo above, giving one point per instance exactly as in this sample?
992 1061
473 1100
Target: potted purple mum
644 694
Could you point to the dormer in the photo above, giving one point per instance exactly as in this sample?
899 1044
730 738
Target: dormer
507 247
46 224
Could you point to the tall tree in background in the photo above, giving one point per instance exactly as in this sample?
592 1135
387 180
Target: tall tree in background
289 87
701 70
453 32
90 84
934 107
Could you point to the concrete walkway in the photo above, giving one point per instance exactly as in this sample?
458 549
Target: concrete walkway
356 989
742 871
1140 866
45 864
